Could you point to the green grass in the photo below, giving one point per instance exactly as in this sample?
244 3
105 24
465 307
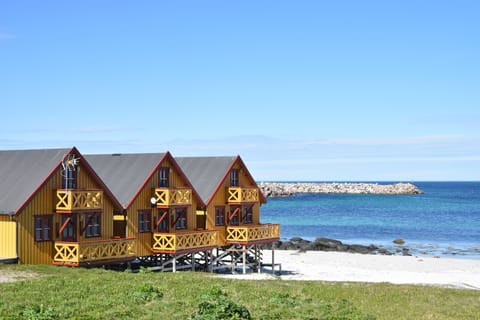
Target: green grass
76 293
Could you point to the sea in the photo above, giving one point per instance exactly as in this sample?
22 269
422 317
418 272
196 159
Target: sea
444 221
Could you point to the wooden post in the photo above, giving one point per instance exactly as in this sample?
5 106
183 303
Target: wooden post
208 263
233 261
244 257
193 262
174 263
273 258
259 258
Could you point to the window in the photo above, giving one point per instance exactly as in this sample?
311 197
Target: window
234 178
164 177
43 228
181 218
162 220
144 221
219 216
69 178
234 213
248 214
93 225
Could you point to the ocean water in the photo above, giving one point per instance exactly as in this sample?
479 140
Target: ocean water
444 221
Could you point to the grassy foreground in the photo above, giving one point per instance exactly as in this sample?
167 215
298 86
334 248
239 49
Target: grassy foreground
76 293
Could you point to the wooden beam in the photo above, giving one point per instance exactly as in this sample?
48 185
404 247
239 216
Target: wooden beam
64 225
159 220
233 214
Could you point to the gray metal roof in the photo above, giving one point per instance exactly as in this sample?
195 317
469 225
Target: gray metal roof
124 174
22 172
205 173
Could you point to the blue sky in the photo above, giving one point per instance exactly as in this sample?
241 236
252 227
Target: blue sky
302 90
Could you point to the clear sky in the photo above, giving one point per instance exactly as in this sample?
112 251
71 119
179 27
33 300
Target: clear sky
302 90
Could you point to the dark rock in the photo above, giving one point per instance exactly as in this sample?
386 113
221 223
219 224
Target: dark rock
299 240
384 251
357 248
326 244
399 241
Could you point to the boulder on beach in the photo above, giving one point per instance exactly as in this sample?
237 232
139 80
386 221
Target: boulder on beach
325 244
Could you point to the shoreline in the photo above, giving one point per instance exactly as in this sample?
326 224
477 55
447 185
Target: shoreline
366 268
342 266
396 247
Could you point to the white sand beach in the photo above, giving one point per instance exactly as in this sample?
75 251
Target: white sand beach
350 267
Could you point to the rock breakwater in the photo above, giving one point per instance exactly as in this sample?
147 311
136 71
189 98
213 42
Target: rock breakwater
285 189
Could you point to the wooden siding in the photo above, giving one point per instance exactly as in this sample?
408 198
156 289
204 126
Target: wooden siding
220 199
142 203
8 238
43 203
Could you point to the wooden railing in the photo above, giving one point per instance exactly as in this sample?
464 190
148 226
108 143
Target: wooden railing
75 253
241 195
254 233
68 200
168 197
184 241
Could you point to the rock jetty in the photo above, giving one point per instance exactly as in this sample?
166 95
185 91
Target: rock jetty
285 189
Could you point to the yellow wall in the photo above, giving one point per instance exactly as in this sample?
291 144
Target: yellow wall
8 238
142 203
43 203
220 199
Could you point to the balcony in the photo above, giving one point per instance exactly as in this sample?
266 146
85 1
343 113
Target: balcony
69 200
93 252
236 195
186 241
262 233
172 197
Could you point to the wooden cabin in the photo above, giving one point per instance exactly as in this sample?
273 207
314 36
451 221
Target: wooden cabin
55 209
59 206
160 205
232 204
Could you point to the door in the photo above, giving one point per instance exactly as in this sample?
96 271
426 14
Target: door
8 239
119 228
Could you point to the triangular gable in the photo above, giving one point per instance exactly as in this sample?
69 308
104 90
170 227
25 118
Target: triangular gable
24 172
116 204
185 178
207 174
263 199
127 174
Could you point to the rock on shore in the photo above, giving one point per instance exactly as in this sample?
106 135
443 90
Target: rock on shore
326 244
285 189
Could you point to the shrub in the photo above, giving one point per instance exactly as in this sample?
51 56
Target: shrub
38 312
146 293
215 305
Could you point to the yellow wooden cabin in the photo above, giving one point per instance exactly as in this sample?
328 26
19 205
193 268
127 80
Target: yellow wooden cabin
55 209
160 205
232 199
59 206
